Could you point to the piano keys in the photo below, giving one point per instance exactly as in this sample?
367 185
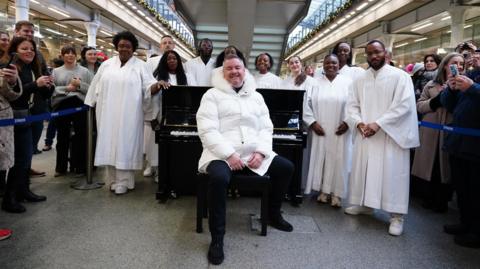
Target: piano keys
180 147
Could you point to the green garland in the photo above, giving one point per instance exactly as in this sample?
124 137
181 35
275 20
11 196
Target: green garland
343 10
165 23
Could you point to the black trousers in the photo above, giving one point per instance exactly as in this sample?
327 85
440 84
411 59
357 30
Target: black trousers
78 140
466 181
280 171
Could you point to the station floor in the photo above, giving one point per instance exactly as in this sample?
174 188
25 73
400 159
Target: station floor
97 229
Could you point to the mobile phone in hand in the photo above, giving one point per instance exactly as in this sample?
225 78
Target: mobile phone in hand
13 59
453 70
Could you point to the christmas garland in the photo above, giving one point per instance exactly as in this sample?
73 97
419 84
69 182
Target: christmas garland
165 23
340 12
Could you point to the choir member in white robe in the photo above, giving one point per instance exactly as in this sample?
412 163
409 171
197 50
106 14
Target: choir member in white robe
201 67
345 57
324 113
149 147
381 108
169 72
264 78
120 91
298 80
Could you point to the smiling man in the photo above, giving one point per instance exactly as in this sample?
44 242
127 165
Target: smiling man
381 108
236 133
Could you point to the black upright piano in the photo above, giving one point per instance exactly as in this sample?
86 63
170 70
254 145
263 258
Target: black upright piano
180 147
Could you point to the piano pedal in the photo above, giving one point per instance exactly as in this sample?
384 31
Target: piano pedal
173 194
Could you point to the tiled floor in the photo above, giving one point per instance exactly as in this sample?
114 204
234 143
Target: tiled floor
96 229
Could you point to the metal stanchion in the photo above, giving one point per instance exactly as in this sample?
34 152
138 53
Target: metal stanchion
89 184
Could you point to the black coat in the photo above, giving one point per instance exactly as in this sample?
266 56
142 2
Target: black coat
465 108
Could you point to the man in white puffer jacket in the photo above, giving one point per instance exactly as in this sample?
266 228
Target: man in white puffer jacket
236 132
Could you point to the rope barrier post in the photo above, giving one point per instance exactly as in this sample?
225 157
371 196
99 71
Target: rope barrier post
89 184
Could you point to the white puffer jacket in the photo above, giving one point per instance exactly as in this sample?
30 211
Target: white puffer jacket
230 122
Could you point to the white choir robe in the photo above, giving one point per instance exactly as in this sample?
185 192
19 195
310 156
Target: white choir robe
353 72
268 81
329 154
381 163
308 85
150 148
120 95
289 84
201 72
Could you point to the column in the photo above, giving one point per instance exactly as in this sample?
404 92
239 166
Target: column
92 33
355 52
388 39
21 10
457 14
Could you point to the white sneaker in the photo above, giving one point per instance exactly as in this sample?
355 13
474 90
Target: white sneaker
322 198
147 172
120 189
336 201
156 178
358 210
396 226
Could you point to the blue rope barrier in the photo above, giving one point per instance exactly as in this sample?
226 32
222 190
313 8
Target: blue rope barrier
451 129
47 116
41 117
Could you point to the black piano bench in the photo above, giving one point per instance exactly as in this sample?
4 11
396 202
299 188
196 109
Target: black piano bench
241 182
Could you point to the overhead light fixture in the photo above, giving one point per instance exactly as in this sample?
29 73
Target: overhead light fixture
78 32
422 26
34 1
446 18
141 13
61 25
401 45
420 39
99 40
63 13
53 31
362 6
105 32
467 26
78 39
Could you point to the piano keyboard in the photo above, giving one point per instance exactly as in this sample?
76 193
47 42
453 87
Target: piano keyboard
183 133
275 136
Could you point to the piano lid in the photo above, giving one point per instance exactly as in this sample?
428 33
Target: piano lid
285 107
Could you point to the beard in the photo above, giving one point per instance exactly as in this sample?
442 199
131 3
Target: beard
376 66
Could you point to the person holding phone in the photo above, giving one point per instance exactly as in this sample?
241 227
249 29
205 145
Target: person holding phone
8 92
33 82
462 99
71 85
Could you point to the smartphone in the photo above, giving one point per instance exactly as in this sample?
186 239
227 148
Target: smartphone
13 59
453 70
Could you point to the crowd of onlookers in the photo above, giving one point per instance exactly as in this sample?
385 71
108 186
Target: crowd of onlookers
446 91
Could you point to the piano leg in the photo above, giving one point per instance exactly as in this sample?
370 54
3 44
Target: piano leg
162 194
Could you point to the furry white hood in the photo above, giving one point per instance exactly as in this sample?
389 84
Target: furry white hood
219 82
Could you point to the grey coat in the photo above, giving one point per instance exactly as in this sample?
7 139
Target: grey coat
431 140
7 94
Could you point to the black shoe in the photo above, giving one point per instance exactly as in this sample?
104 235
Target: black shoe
469 240
279 223
12 205
36 151
32 197
455 229
215 253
